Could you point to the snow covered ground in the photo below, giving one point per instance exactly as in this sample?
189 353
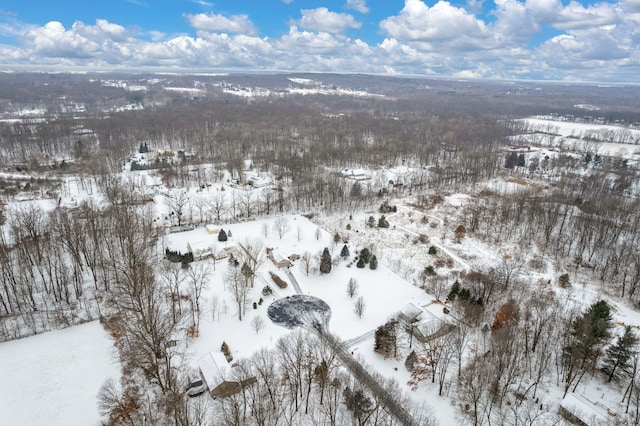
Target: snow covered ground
53 378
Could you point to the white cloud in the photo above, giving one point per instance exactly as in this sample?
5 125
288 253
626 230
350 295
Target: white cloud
220 23
203 3
358 5
574 15
442 21
596 42
322 19
513 22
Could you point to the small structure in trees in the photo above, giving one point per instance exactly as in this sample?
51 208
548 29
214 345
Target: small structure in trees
212 229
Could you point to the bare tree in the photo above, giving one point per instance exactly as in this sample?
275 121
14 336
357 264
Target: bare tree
306 261
178 201
267 199
281 226
198 274
218 205
170 274
253 255
359 307
246 201
257 323
352 287
238 284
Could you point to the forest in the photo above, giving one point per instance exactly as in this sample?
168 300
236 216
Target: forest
529 239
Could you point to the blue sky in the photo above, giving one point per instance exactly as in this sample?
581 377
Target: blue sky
512 39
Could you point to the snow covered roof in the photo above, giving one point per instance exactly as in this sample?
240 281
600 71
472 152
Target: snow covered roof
410 312
588 412
214 368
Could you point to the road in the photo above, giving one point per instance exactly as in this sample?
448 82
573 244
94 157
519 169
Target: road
393 405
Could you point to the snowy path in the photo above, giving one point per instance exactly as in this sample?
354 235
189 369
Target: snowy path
359 339
394 406
294 281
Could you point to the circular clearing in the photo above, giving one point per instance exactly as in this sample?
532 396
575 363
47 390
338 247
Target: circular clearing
300 310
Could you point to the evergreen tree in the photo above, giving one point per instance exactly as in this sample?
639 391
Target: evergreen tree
383 222
373 263
455 291
336 238
521 160
325 261
511 161
356 190
344 253
386 339
618 355
433 250
222 236
229 233
365 255
411 360
371 222
360 263
589 332
358 403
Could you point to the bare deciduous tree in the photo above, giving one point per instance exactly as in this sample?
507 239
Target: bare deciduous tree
281 226
352 287
359 307
257 323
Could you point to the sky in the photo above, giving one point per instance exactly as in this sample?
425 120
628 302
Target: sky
577 41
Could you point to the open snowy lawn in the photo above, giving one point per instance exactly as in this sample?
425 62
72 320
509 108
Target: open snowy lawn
53 378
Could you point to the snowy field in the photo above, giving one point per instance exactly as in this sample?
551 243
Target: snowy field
53 378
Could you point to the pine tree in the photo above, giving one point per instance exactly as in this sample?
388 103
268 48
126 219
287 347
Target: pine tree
386 339
455 291
589 333
373 263
383 222
371 222
222 236
511 160
365 255
618 355
325 261
344 253
360 263
411 360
